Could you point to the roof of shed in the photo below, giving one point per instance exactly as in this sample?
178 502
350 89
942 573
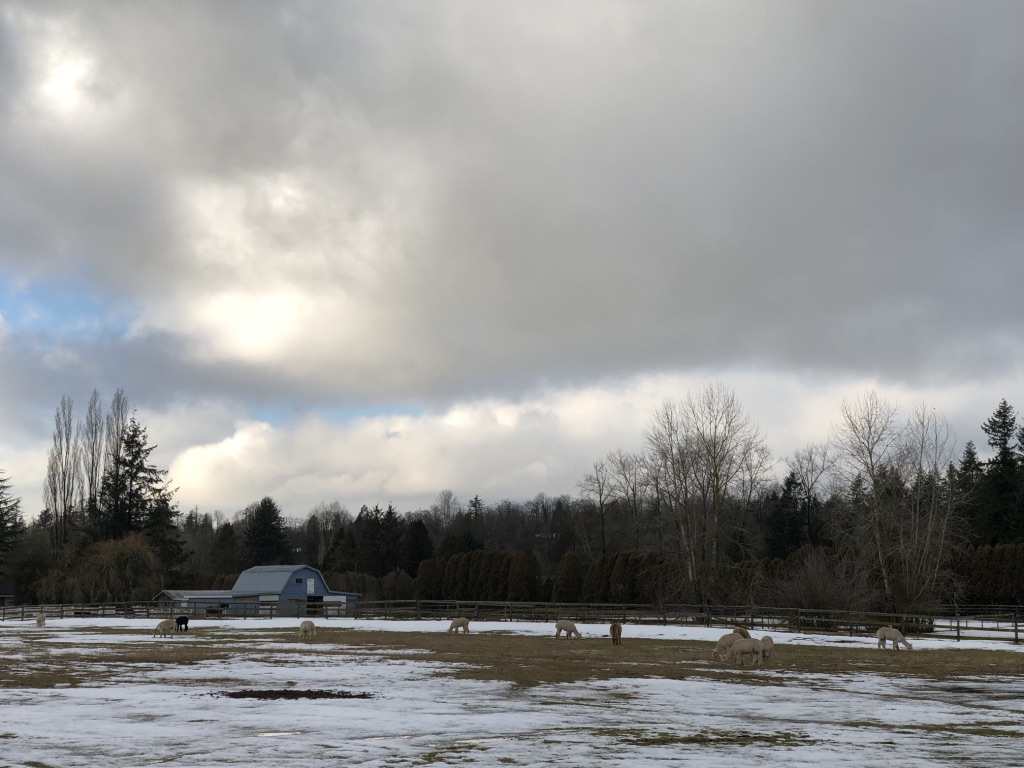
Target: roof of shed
264 579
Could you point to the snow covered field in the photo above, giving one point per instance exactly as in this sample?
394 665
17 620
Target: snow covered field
175 714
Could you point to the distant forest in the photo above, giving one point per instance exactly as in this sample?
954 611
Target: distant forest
886 515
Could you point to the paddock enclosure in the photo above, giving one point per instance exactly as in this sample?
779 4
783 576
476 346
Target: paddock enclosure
86 692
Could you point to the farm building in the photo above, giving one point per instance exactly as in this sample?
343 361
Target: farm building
6 594
267 590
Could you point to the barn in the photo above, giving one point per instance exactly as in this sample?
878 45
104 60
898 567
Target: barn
268 590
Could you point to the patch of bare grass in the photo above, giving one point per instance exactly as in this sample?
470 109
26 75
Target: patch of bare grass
496 656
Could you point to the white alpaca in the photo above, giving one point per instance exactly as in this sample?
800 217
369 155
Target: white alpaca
724 644
307 631
164 628
741 631
41 620
746 646
767 645
568 627
888 633
461 622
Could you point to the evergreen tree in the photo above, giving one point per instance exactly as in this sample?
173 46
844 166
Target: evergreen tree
784 520
1002 521
392 528
161 529
12 526
429 574
416 546
225 555
132 489
522 577
459 538
266 542
341 554
1001 428
970 476
569 580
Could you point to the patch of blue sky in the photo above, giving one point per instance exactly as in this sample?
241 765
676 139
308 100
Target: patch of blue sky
62 308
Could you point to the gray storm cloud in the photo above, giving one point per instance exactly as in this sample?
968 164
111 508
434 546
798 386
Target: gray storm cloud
434 201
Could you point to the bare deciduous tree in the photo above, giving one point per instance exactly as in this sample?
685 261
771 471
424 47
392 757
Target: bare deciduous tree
327 519
709 453
930 529
62 492
812 466
90 434
596 486
629 487
869 439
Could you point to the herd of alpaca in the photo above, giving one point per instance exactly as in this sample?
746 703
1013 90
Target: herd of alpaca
737 645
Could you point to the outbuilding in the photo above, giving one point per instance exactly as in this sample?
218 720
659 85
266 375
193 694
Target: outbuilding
268 590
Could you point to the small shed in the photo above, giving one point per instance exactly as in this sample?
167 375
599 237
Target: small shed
269 590
6 593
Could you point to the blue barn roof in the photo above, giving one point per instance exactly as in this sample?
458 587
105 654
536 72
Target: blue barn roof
282 580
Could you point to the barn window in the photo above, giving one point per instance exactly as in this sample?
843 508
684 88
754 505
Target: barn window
298 580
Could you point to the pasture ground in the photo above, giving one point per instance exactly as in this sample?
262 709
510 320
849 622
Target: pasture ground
374 694
525 660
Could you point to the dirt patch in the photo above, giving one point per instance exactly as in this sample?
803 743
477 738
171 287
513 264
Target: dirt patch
293 694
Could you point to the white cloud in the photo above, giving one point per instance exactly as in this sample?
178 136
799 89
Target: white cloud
501 448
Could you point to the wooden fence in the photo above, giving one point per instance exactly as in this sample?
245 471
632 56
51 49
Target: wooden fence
1001 623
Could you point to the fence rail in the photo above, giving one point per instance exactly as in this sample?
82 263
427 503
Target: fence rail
1000 623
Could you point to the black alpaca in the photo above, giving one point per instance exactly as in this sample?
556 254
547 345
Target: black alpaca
182 623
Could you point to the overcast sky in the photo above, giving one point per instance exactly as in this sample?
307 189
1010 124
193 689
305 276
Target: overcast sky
368 251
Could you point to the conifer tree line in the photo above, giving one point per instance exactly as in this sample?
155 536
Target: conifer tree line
888 513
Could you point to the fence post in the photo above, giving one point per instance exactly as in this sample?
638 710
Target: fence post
1016 626
956 610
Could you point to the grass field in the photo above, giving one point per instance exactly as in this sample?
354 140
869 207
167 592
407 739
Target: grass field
98 693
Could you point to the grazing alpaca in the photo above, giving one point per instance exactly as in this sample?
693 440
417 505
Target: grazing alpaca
615 630
768 645
462 622
164 628
568 627
40 620
181 623
888 633
746 646
307 631
724 644
741 631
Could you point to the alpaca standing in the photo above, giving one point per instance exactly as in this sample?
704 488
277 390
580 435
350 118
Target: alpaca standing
461 622
307 631
746 646
767 645
40 620
164 628
616 632
568 627
888 633
724 644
